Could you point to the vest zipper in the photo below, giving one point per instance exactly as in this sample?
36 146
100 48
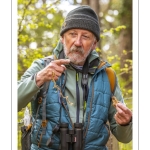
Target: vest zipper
89 116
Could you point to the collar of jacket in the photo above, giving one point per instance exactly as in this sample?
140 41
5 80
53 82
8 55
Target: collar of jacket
94 59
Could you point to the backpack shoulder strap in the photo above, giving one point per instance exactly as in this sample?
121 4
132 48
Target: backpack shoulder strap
112 78
111 75
42 97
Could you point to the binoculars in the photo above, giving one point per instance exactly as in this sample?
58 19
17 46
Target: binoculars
71 139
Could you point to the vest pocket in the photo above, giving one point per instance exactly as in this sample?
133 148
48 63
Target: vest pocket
38 136
41 139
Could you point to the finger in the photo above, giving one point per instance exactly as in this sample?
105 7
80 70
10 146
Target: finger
121 113
118 120
54 66
56 73
122 108
55 78
120 116
63 67
62 61
52 75
121 105
126 115
122 120
59 69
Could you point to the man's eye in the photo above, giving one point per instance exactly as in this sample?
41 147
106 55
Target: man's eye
73 34
85 37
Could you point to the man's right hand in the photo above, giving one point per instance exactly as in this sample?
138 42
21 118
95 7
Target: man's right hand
52 71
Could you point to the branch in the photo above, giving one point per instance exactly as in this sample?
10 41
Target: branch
130 68
23 16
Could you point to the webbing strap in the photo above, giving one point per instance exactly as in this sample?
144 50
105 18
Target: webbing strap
44 91
44 94
111 76
36 116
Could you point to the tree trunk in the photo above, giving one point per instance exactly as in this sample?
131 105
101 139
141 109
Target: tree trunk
125 43
96 7
94 4
125 38
85 2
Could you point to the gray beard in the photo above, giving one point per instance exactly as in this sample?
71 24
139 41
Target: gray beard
79 49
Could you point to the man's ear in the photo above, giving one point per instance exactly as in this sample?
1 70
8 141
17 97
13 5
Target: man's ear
61 39
94 44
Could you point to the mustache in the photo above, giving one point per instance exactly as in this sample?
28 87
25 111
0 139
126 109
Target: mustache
77 49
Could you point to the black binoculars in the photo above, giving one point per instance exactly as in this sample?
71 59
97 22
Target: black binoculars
71 139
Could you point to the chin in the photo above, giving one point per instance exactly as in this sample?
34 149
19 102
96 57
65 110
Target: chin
77 62
76 59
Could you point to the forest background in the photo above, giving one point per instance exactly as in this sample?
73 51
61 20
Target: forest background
39 23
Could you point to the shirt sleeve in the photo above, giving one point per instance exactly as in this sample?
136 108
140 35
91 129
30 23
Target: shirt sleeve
122 133
27 88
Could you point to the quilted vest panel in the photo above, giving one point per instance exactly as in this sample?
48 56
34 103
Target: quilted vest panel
96 131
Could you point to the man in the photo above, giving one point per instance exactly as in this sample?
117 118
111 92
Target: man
79 92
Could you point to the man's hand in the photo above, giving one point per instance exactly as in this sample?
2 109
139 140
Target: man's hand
51 71
123 115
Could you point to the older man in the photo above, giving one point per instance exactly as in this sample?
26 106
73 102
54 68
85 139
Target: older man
78 100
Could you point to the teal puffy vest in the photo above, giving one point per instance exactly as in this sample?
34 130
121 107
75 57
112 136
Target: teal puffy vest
96 132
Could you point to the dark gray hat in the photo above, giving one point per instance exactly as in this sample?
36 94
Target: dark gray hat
82 17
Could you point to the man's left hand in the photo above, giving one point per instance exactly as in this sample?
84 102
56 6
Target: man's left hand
123 115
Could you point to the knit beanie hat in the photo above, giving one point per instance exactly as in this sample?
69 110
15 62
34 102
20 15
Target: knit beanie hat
82 17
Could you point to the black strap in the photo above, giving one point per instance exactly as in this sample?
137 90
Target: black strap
84 81
78 97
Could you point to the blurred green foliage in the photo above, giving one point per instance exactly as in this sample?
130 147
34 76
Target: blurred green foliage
38 30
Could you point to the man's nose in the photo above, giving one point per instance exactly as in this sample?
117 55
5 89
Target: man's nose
78 41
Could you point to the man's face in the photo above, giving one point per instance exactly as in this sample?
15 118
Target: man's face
78 43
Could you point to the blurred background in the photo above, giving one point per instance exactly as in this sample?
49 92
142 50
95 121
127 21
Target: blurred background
39 24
